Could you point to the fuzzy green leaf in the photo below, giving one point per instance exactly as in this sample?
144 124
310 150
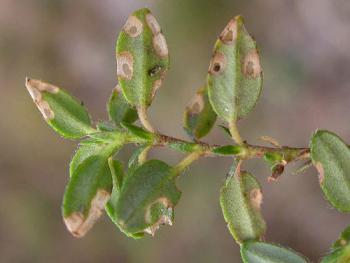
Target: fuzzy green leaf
104 143
67 116
331 156
235 74
142 58
147 199
118 176
199 117
138 132
240 200
184 147
134 160
119 110
227 150
86 194
260 252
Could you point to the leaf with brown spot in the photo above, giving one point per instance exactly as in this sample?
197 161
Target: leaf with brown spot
65 114
147 198
119 110
240 200
199 117
86 194
235 75
331 156
141 48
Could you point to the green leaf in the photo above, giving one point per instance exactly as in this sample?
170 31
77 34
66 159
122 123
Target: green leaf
105 126
134 160
117 172
340 250
184 147
67 116
260 252
235 74
138 132
240 200
273 158
227 150
331 156
119 110
104 143
86 194
118 176
199 117
147 199
226 130
142 58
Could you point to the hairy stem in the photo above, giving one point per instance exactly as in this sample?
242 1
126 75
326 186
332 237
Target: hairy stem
245 151
235 133
187 161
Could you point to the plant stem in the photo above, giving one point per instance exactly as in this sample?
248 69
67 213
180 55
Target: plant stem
184 163
235 133
202 149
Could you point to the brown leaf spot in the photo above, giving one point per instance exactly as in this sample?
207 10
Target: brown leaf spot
34 93
45 110
229 35
251 64
41 86
79 225
125 63
160 45
343 242
164 219
255 197
133 26
320 170
153 24
35 89
117 89
217 64
156 85
197 104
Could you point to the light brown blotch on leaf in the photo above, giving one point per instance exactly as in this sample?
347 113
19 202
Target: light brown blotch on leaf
35 89
343 242
133 26
255 197
117 89
125 65
218 63
156 85
197 104
164 219
45 110
160 45
153 24
320 170
251 64
229 35
79 225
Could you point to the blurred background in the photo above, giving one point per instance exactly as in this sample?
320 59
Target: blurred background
306 61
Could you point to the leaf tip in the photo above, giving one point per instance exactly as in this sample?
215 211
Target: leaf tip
35 89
